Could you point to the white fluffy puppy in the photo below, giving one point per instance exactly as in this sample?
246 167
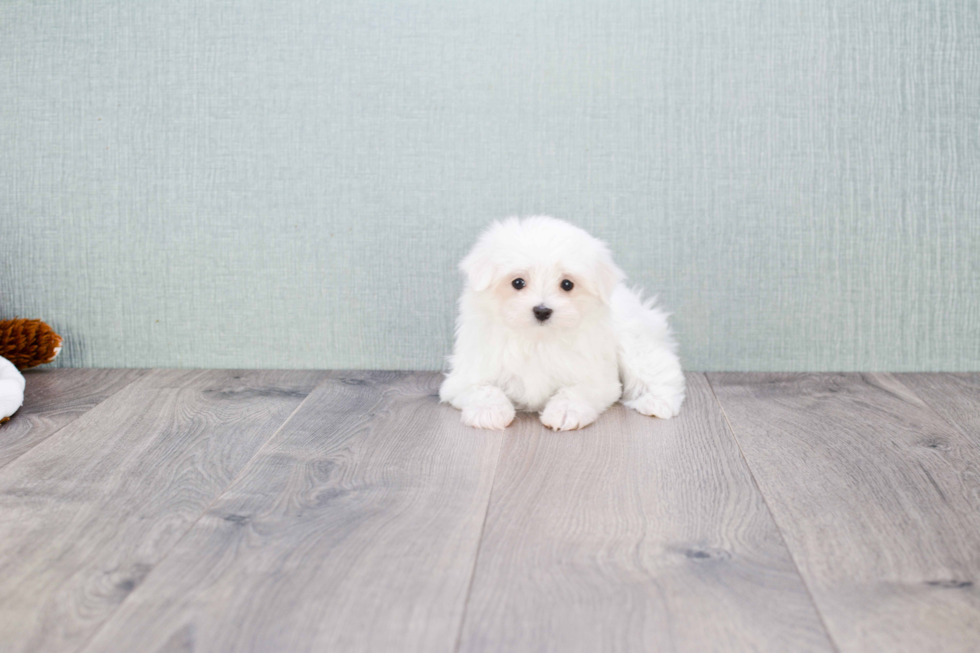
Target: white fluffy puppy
546 324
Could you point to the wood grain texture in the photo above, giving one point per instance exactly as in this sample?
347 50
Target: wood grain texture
89 511
634 534
956 397
354 529
878 499
54 398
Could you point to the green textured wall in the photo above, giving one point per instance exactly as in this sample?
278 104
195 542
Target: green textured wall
290 184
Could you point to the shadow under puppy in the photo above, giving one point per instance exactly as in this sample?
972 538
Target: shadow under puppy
546 324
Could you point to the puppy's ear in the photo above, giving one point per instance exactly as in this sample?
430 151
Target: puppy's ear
478 268
607 274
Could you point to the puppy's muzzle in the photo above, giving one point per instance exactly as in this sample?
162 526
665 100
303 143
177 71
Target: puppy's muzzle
542 312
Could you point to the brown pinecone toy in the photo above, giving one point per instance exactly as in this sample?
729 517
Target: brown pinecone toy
27 343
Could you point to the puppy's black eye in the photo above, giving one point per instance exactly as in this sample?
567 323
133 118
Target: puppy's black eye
567 285
518 283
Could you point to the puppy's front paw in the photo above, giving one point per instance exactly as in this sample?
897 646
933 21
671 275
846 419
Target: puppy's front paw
563 414
653 406
495 416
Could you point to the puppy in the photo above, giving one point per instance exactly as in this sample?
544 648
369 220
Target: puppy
546 325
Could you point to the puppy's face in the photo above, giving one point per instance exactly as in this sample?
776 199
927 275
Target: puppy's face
542 297
541 275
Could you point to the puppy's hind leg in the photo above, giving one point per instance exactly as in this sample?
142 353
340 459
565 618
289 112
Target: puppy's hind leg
575 407
653 383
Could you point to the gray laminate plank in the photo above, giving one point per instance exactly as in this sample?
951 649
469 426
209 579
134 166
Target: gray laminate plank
878 499
956 397
53 399
354 529
89 511
635 534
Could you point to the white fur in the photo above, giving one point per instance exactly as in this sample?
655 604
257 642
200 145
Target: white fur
601 343
11 388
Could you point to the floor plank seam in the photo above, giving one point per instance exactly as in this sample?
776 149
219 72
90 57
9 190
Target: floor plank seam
954 425
779 529
66 425
43 440
479 546
191 526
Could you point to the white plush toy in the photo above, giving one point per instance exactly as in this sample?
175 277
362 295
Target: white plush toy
23 344
11 389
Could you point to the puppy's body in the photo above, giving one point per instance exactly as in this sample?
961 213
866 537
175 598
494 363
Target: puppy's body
546 325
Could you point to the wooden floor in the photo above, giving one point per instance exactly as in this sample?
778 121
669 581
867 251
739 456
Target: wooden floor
188 510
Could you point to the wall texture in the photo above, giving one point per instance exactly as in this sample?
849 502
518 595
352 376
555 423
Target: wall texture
290 184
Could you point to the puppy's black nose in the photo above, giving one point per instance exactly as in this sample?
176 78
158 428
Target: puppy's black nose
542 312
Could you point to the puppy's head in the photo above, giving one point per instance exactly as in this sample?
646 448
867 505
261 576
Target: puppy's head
541 273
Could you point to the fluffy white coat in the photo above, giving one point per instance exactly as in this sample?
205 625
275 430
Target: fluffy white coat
598 341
